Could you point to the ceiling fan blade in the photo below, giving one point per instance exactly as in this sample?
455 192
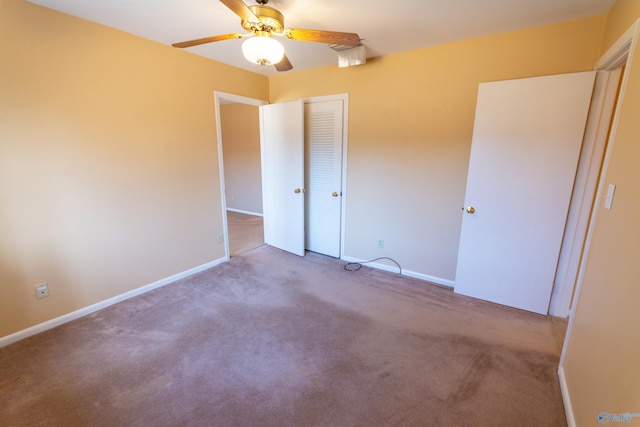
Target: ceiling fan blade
331 37
242 10
207 40
284 64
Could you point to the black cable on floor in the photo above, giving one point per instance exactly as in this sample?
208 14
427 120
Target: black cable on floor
359 264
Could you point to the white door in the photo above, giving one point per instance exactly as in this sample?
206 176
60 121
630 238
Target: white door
526 143
323 176
282 147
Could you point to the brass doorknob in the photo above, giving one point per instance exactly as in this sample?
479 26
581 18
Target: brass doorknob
335 194
297 191
470 210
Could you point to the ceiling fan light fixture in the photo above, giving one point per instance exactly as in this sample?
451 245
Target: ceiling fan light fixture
262 50
261 21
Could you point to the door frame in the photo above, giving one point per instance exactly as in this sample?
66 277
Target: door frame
584 190
620 54
221 98
344 97
584 202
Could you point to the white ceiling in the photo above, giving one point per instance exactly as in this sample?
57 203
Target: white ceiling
386 26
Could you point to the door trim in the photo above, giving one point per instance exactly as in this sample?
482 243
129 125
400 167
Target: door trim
344 97
221 98
584 189
620 53
617 56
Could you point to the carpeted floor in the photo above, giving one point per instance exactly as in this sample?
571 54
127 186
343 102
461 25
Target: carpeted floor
246 232
272 339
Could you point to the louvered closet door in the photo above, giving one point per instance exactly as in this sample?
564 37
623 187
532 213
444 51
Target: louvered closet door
323 176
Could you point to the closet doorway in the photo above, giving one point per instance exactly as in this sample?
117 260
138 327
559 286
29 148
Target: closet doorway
246 208
304 165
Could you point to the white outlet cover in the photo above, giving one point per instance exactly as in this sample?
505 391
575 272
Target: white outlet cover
42 291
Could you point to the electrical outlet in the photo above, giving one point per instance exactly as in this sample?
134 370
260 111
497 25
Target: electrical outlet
42 291
219 239
381 243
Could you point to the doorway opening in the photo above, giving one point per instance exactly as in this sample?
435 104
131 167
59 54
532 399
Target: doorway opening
238 128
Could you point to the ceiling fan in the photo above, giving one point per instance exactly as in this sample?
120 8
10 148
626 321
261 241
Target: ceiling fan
262 22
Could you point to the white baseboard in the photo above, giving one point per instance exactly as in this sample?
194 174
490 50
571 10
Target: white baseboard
245 212
49 324
408 273
566 399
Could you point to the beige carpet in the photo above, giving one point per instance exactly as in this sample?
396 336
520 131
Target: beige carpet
246 232
272 339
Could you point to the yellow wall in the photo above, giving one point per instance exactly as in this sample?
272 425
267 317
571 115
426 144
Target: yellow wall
619 19
108 161
109 169
602 366
410 127
240 125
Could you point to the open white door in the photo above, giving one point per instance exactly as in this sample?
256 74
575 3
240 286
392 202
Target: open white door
526 143
282 146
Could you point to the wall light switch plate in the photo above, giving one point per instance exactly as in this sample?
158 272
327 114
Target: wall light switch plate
608 200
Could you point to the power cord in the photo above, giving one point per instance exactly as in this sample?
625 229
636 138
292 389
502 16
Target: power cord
359 264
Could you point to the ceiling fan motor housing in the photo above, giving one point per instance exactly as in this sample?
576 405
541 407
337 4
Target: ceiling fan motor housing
270 20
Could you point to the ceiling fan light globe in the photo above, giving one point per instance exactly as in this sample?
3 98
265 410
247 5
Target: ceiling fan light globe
262 50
